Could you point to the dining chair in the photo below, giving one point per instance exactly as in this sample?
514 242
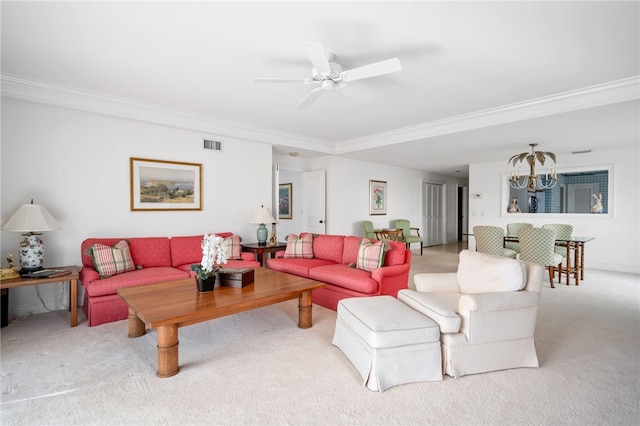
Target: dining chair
512 231
406 236
537 245
490 240
369 232
563 232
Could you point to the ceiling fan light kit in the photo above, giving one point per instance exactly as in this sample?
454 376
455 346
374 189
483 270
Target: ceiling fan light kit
331 75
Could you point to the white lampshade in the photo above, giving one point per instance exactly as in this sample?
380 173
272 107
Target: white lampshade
31 218
262 215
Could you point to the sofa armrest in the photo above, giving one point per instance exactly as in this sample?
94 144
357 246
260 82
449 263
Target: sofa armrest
436 282
435 306
493 317
88 274
391 279
499 301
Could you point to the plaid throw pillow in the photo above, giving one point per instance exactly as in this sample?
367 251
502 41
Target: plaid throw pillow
371 256
110 261
232 248
301 246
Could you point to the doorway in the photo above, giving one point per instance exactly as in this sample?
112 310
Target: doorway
433 216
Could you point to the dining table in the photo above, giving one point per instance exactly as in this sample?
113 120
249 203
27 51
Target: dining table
573 245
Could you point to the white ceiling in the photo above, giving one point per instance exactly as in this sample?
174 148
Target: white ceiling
480 80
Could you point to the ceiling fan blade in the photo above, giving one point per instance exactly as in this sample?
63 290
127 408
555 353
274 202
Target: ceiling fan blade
372 70
354 93
310 98
280 80
318 57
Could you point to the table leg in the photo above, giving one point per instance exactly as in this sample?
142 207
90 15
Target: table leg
304 310
568 263
73 301
168 351
581 246
136 326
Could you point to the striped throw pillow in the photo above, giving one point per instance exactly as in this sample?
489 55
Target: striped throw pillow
114 260
301 246
370 255
232 248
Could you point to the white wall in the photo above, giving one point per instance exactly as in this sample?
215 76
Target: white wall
293 225
76 164
617 236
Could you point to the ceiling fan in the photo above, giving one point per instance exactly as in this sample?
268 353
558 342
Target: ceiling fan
329 75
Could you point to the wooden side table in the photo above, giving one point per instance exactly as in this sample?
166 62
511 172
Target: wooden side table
259 250
72 278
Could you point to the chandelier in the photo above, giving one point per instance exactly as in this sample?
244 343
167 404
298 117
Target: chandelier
533 181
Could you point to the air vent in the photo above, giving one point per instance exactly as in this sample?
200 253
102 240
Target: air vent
212 145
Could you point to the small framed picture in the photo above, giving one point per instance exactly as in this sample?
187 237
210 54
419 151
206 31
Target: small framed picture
284 201
165 185
377 197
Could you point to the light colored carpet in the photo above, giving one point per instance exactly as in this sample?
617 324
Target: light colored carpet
258 368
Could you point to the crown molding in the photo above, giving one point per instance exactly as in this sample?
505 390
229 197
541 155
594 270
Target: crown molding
623 90
593 96
67 97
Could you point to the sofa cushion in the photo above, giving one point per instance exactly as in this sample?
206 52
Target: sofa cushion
435 307
186 250
110 261
300 266
301 246
342 275
371 255
328 247
232 248
484 273
396 254
143 276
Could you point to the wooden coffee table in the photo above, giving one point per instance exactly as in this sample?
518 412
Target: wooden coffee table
170 305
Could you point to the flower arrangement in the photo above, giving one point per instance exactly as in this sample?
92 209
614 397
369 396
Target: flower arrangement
213 256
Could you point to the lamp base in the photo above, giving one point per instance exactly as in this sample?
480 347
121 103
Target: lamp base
27 271
261 234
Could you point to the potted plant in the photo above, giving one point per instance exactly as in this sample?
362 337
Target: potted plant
213 256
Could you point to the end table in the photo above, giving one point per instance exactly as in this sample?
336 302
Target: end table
259 250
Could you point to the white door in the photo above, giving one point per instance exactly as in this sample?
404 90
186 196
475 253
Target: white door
432 220
581 197
314 202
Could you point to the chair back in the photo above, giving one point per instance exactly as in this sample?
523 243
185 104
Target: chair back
513 228
537 246
405 226
367 225
489 239
562 231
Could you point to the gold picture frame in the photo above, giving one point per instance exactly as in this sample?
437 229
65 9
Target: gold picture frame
377 197
164 185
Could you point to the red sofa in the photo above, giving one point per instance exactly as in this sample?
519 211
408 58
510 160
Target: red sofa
157 259
330 265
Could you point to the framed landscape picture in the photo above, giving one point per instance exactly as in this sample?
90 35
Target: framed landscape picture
165 185
377 197
285 191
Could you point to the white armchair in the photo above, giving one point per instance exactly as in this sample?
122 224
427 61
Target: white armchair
486 312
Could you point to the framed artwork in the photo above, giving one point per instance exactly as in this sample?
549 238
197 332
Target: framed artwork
377 197
165 185
284 201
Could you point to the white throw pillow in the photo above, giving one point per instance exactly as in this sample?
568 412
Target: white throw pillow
484 273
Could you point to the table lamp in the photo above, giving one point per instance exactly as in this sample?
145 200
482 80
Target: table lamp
261 216
31 220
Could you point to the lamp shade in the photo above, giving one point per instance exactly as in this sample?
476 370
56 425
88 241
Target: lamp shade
262 215
31 218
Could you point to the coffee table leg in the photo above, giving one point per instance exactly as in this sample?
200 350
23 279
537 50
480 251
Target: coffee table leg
136 326
168 351
304 309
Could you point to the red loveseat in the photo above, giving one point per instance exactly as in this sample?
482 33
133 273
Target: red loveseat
156 258
330 265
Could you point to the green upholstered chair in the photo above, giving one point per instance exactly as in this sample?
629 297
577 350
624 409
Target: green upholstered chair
537 245
562 231
406 236
490 240
369 232
512 231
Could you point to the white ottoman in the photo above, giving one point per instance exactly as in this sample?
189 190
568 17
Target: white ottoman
388 342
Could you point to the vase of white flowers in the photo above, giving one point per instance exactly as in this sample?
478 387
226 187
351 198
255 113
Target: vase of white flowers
213 256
